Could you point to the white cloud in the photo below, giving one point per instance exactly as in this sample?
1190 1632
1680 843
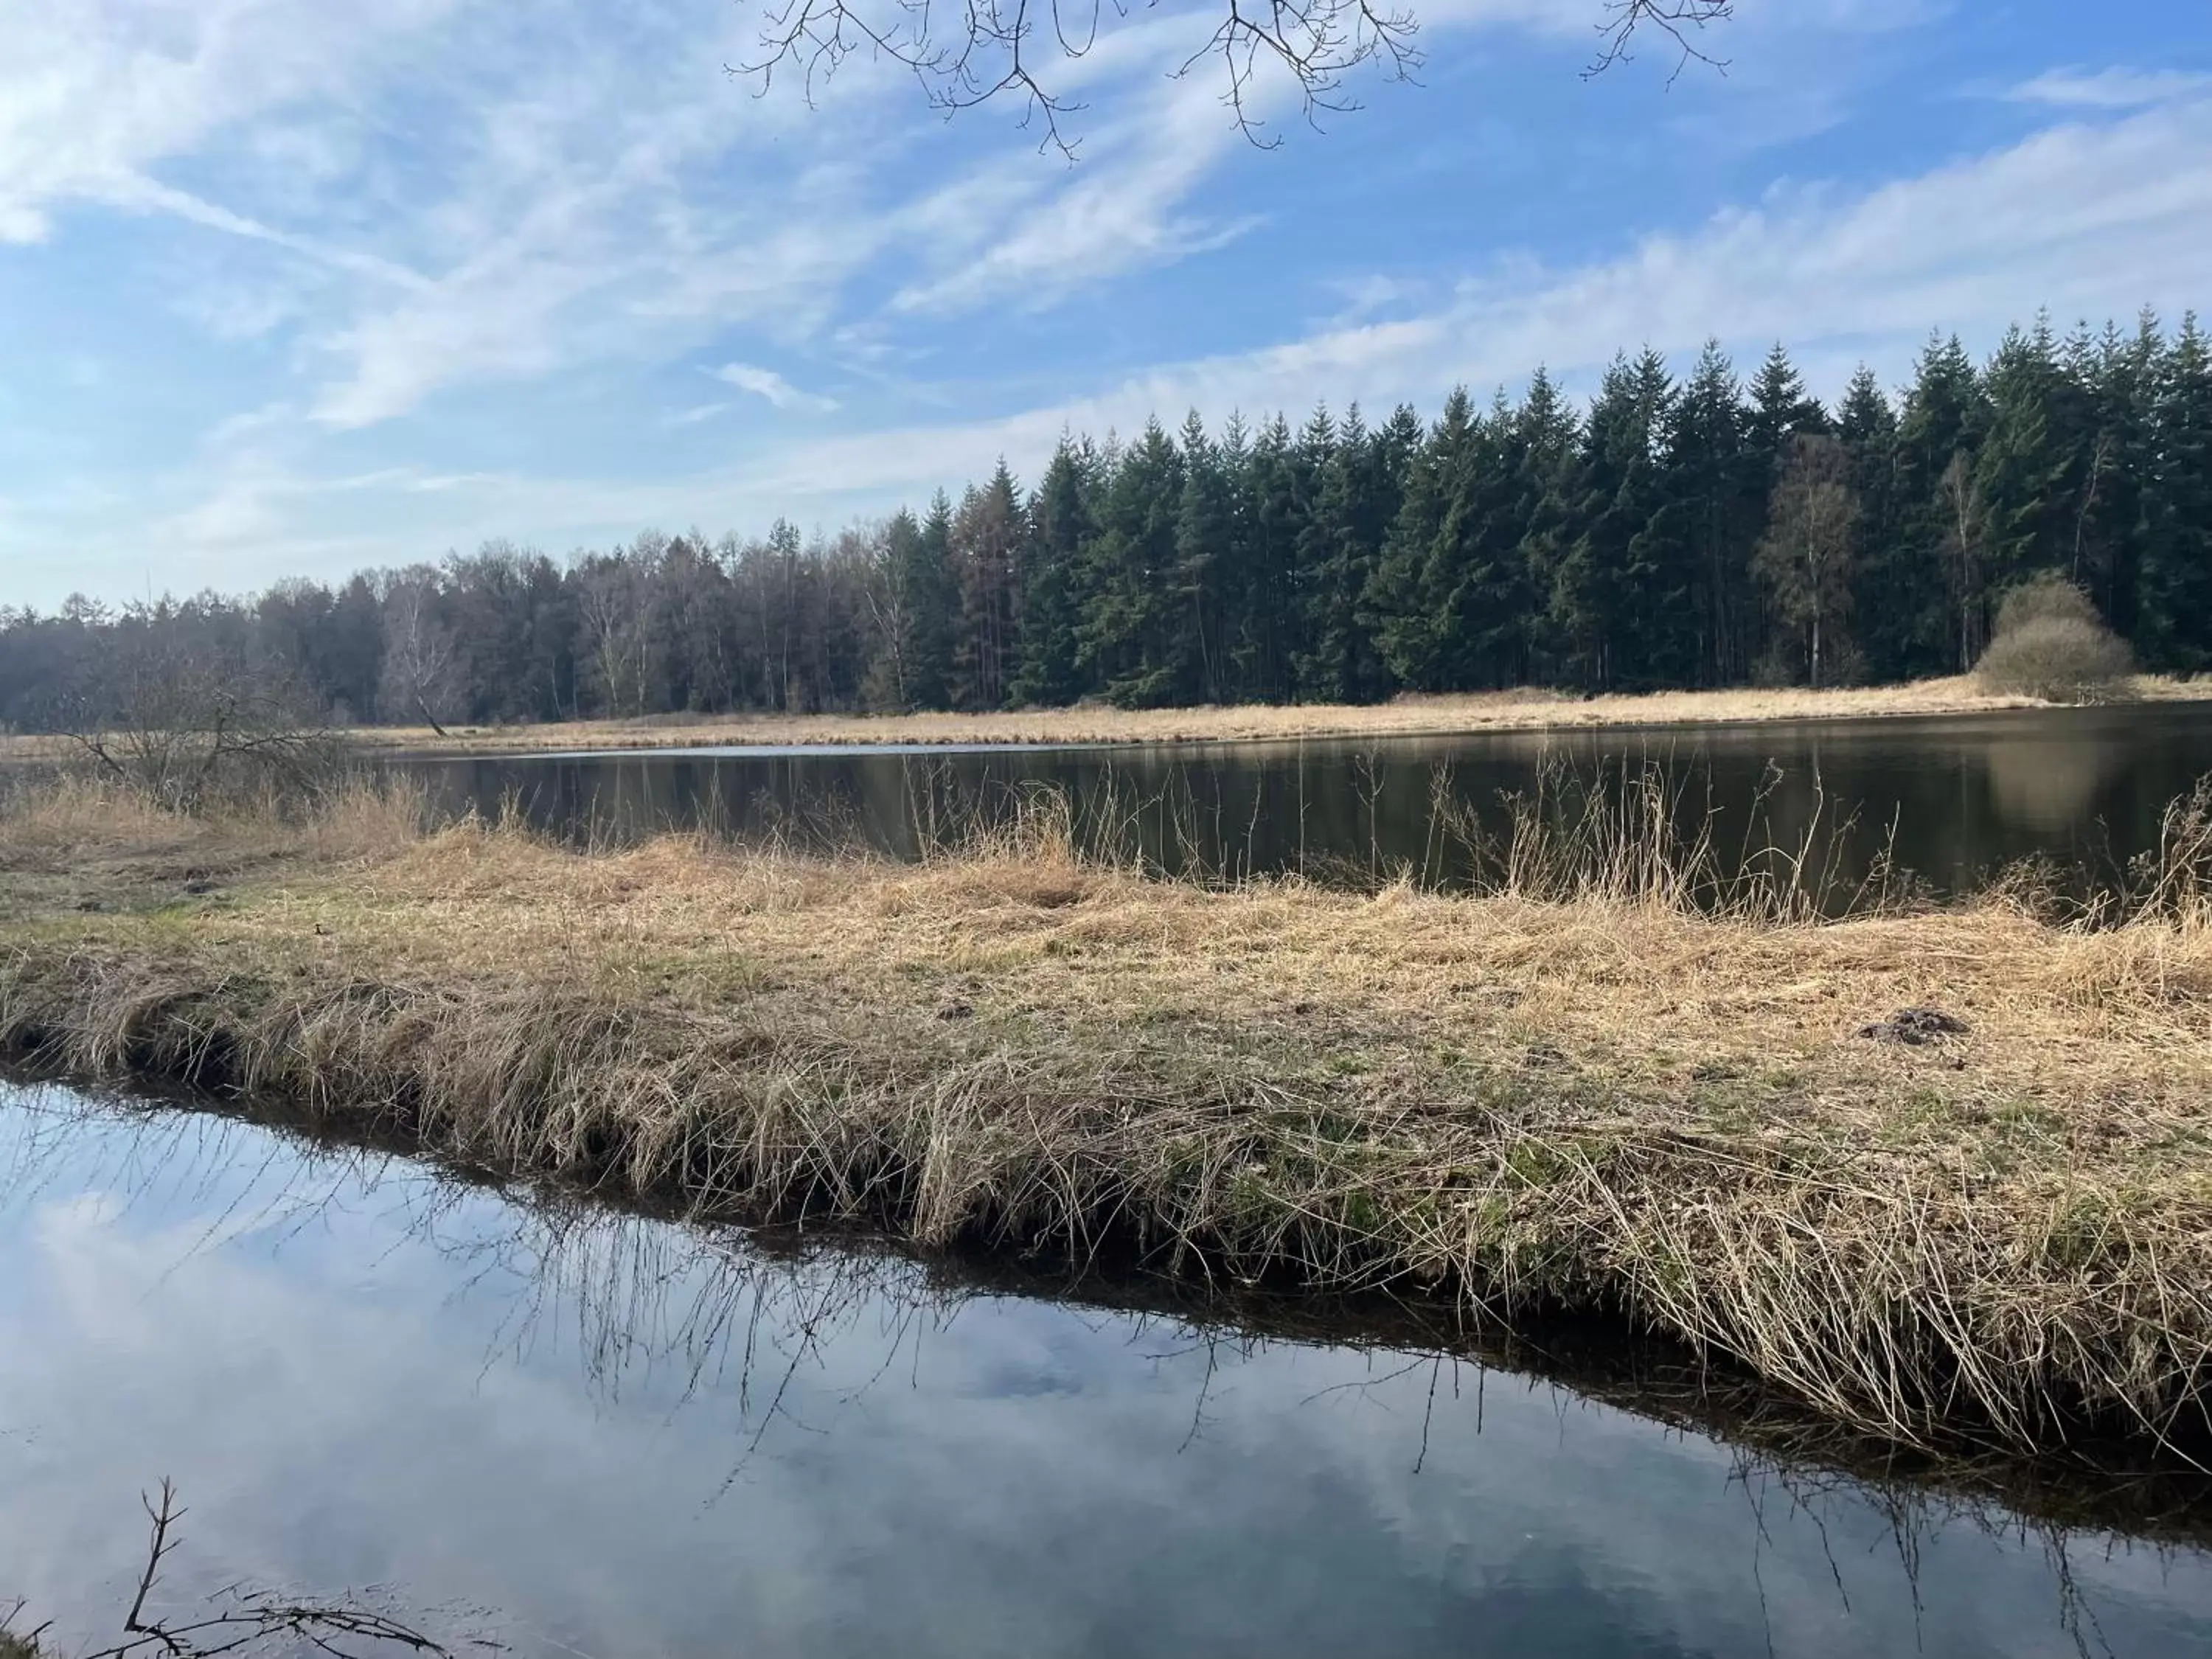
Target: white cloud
2092 220
767 383
2109 89
695 414
398 201
95 95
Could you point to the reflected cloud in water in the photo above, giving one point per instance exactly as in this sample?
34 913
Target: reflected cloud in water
635 1438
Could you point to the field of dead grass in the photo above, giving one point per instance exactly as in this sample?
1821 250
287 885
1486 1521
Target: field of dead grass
1503 711
1556 1096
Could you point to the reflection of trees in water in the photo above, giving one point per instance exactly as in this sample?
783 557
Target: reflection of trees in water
686 1311
1953 801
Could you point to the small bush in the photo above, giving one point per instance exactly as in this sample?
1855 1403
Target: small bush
2051 644
2046 597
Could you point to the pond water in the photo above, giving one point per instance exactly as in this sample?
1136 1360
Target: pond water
1952 800
593 1433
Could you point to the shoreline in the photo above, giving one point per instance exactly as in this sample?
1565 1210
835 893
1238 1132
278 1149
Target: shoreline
1526 1106
1463 715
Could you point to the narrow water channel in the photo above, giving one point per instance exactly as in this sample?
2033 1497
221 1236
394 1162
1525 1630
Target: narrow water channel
576 1431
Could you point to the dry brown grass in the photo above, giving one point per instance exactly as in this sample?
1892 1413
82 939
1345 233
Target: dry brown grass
1503 711
1587 1101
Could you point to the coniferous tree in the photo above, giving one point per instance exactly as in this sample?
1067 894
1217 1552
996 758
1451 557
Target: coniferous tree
1055 595
1897 599
1654 539
1482 596
1548 446
1264 644
1615 572
1130 639
1414 572
2113 500
1708 516
2023 467
1942 523
1205 540
2178 548
1354 498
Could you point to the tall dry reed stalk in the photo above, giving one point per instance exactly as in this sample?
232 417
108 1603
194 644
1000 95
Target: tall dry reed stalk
772 1034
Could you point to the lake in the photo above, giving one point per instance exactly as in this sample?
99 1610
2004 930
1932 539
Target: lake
1952 800
579 1431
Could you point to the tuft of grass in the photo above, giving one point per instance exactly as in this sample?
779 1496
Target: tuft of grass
2005 1237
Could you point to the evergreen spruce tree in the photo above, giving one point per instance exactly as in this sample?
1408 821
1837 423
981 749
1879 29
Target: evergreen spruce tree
1204 534
1264 643
2177 577
2023 467
1897 599
1666 645
1613 594
1941 519
1706 514
2110 518
1482 592
1403 594
1129 638
1674 535
1354 498
1548 444
1055 595
1395 444
1780 408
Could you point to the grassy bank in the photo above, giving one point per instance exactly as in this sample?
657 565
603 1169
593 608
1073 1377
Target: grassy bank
1503 711
1562 1093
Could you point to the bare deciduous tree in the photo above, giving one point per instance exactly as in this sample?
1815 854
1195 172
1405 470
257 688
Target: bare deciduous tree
1806 554
180 718
422 664
1967 513
981 50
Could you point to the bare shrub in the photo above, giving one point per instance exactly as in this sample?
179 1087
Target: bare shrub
188 727
2050 643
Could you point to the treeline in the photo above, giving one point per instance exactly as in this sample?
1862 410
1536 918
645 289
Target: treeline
1676 532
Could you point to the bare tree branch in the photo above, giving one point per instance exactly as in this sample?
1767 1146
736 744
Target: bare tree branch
183 719
994 49
1683 22
255 1620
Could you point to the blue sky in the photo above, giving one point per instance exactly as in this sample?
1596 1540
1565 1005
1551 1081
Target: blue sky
289 288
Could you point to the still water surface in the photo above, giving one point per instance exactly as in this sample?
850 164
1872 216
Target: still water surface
1952 799
591 1433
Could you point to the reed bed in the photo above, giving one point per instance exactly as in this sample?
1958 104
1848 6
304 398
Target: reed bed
1585 1086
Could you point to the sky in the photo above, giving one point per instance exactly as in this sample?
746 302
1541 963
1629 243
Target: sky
289 287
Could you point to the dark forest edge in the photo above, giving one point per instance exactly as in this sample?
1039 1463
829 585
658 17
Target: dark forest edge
1695 533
